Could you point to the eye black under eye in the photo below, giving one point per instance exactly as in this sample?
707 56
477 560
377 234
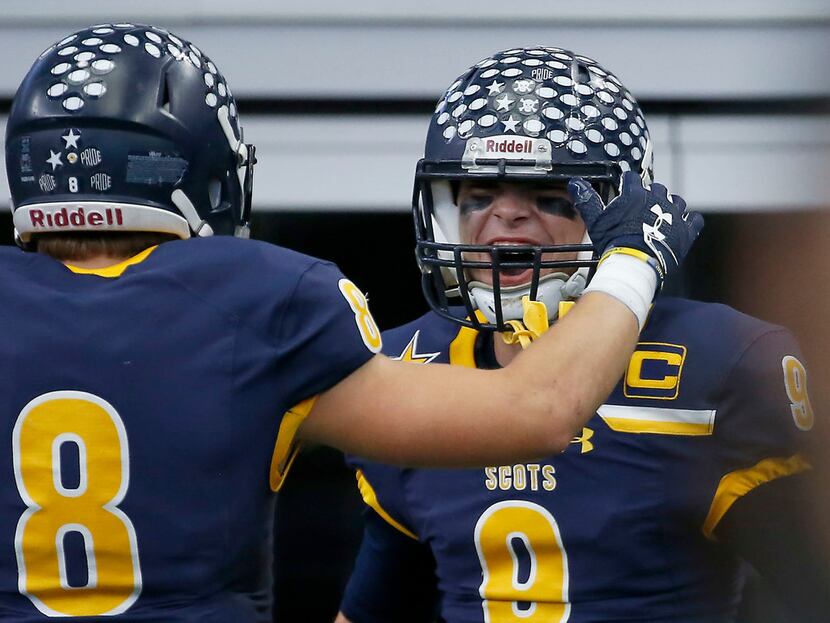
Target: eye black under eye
473 203
559 206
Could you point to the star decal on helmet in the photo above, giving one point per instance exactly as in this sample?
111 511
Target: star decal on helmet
411 354
71 139
504 102
495 87
510 124
54 159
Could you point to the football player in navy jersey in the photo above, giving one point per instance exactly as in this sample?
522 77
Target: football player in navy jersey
691 465
157 376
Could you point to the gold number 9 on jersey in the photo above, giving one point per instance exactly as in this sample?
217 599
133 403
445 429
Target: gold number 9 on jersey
546 585
89 509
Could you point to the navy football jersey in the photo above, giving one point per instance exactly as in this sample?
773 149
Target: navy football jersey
620 526
141 407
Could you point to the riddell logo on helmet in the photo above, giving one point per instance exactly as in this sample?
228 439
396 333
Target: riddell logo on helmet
79 217
480 153
508 146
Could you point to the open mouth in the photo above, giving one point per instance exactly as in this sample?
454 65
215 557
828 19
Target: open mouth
525 258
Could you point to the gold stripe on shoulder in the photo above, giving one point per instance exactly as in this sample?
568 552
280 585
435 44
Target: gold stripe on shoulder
737 484
371 500
658 420
116 270
286 448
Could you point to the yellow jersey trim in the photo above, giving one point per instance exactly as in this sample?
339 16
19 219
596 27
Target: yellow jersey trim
286 447
657 420
411 354
564 308
462 348
116 270
371 500
738 483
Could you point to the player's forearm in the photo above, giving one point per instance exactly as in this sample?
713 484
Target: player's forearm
402 413
575 366
422 415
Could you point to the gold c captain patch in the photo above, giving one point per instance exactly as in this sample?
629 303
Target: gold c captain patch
654 371
411 354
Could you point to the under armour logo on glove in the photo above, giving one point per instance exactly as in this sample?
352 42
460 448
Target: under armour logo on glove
646 219
652 233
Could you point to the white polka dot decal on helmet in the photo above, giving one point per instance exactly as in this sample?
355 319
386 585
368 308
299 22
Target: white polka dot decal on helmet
132 116
536 114
101 51
552 91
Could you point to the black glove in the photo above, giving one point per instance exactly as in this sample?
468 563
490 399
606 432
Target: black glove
644 218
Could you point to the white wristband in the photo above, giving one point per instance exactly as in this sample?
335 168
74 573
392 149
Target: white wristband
628 279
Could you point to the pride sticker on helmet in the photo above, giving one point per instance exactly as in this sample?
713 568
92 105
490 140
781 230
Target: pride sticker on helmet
366 325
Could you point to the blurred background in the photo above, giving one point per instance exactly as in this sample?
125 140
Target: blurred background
337 97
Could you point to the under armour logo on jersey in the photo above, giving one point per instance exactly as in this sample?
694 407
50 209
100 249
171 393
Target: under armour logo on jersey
584 440
652 233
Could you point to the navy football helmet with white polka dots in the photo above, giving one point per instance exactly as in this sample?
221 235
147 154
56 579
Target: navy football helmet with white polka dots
531 115
125 127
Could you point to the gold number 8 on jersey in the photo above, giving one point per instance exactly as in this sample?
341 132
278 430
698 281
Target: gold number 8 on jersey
89 509
795 382
369 331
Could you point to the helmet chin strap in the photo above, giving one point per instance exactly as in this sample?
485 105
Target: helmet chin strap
533 324
553 289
